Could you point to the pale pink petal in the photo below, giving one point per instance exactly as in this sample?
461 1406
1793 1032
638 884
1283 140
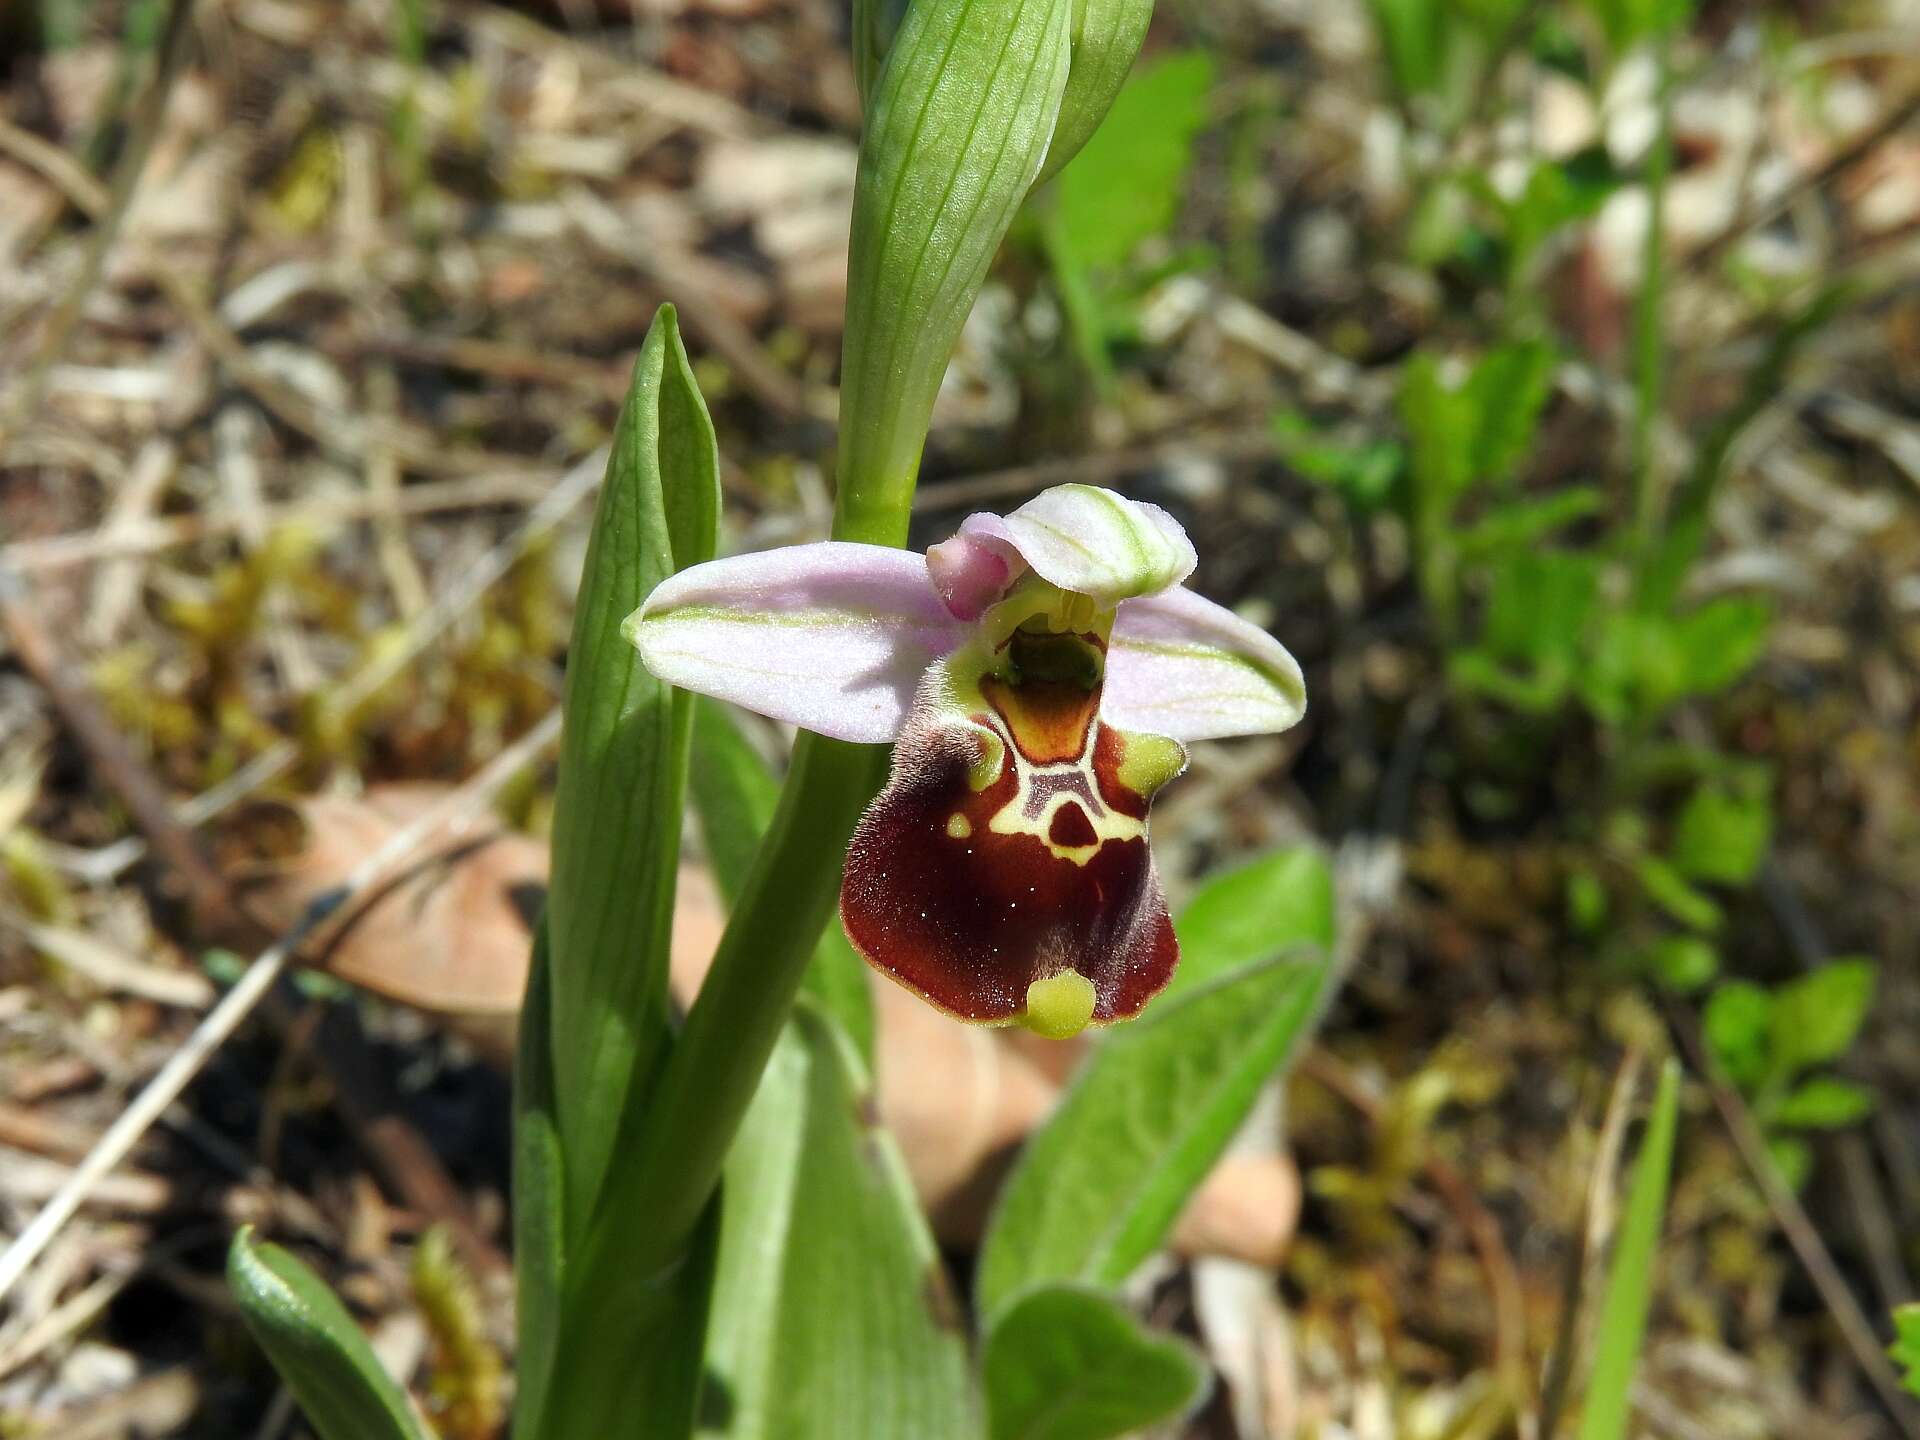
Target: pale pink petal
1181 666
969 573
832 637
1099 543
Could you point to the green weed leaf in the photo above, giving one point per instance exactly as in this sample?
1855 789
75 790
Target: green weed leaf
313 1342
1540 606
1816 1017
1672 892
623 758
1738 1024
1517 524
1680 963
1069 1363
1823 1103
1413 35
1720 641
1905 1349
1441 426
1792 1157
1099 1185
1722 836
1506 393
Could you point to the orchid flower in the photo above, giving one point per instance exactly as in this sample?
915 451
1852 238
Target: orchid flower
1036 676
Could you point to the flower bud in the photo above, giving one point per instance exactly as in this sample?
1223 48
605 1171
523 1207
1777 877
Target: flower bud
962 114
1107 35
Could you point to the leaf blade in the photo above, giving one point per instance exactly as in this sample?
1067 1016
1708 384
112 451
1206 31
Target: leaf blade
1623 1315
616 830
1100 1184
1069 1362
316 1347
1252 913
831 1320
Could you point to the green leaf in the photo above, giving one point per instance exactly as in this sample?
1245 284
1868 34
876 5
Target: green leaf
1440 425
832 1314
1507 391
1540 605
1556 194
1128 183
1823 1103
1258 911
623 758
320 1353
1669 889
734 794
539 1195
1722 836
1680 963
1737 1025
1067 1362
961 117
1623 1314
1905 1349
1107 35
1518 524
1628 22
1720 641
1365 474
1413 37
1097 1188
1816 1017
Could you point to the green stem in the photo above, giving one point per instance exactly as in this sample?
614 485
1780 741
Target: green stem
679 1142
1647 338
704 1090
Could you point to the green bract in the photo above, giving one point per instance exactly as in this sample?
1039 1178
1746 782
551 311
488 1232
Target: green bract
1106 38
962 114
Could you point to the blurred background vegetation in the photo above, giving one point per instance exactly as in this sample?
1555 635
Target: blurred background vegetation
1545 373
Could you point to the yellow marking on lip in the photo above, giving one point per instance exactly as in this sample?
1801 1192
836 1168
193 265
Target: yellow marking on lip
958 826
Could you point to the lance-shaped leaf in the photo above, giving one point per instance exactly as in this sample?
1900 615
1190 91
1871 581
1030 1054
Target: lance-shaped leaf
616 829
539 1198
1096 1190
1630 1283
313 1342
1107 35
1278 905
961 117
832 1314
1067 1362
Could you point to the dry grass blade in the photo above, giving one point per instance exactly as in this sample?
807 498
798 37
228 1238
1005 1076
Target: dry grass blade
240 1001
1804 1236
